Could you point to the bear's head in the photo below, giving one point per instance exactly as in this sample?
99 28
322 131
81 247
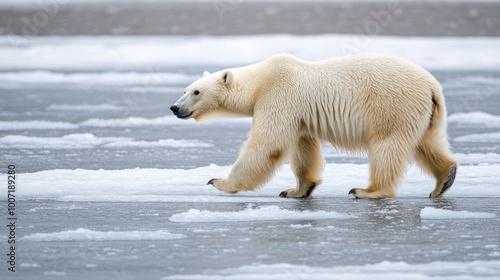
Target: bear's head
206 96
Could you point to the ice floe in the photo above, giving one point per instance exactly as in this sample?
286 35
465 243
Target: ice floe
430 213
264 213
105 78
107 52
379 271
84 107
481 137
83 234
88 140
189 185
475 119
36 125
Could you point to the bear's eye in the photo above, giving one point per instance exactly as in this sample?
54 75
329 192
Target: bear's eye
196 92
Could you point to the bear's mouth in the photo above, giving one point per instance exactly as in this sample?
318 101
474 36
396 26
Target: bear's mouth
185 116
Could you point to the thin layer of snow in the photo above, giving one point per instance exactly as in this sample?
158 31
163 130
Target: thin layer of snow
107 52
88 140
481 137
83 107
475 158
106 78
475 119
170 143
83 234
463 119
265 213
39 3
39 125
136 121
430 213
190 185
159 121
379 271
72 141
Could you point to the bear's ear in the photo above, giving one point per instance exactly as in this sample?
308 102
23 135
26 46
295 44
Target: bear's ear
206 73
227 77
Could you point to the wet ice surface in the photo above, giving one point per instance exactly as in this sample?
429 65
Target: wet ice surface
148 213
378 231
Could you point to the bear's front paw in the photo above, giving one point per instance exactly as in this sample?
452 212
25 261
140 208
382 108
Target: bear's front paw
222 185
292 193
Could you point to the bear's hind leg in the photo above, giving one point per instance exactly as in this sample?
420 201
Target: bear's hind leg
307 163
388 160
433 156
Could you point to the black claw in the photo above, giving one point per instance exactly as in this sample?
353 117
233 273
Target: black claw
310 190
211 182
283 194
430 195
450 180
352 191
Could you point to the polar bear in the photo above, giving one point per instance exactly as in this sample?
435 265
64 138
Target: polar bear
384 105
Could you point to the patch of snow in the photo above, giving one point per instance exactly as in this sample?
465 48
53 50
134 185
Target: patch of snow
107 52
159 121
88 140
300 225
476 158
84 107
265 213
83 234
481 137
29 265
72 141
171 143
35 125
54 272
190 185
148 79
379 271
430 213
135 121
475 119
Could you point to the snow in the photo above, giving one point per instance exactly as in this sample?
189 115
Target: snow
265 213
71 141
461 119
107 52
430 213
83 107
170 143
475 119
135 121
189 185
36 124
88 140
475 158
380 271
83 234
105 78
481 137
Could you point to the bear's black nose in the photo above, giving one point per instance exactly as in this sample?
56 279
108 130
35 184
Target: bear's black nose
174 109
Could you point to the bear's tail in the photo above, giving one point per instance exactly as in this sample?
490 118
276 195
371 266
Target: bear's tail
438 115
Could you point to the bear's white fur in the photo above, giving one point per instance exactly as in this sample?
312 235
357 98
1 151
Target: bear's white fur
385 105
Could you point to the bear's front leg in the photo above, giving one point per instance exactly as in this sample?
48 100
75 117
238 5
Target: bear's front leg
307 163
254 167
222 185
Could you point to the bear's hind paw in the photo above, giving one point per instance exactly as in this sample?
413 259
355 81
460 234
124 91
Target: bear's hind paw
363 193
293 193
